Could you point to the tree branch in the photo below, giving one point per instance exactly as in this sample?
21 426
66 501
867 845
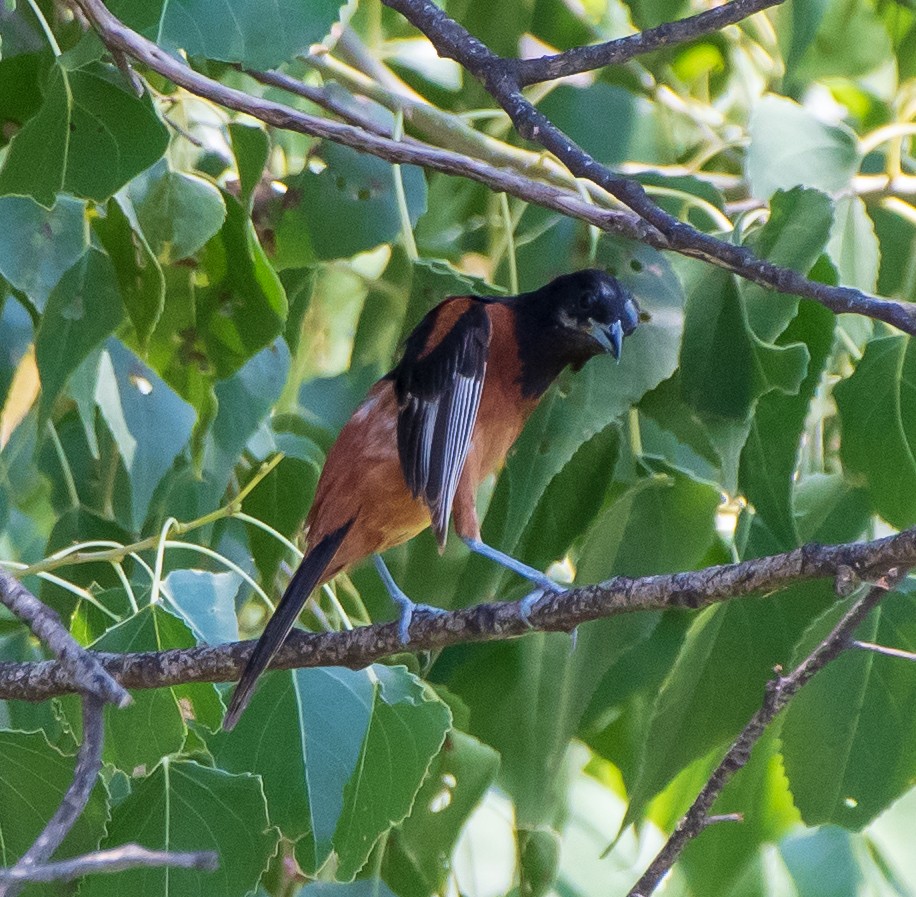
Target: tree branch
615 52
118 859
499 77
778 694
364 645
82 667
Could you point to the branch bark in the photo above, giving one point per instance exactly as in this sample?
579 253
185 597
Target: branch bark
364 645
616 52
117 859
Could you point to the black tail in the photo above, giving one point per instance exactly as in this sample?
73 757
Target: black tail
297 592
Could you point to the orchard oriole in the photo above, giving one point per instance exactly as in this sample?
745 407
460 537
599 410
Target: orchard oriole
415 451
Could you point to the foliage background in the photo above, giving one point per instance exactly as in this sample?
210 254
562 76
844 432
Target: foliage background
183 294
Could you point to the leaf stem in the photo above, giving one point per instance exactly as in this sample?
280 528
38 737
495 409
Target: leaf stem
55 46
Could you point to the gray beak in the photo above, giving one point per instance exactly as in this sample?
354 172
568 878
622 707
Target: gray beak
608 336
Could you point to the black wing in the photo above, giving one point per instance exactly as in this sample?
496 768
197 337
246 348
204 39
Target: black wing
438 395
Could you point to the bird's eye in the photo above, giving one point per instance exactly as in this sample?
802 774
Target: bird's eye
586 301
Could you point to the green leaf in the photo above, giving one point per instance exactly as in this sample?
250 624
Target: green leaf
849 737
33 780
877 407
417 853
849 41
150 423
176 212
794 236
717 681
251 147
348 207
725 368
768 461
243 309
206 602
829 509
624 131
82 310
790 147
247 31
154 724
853 246
184 806
38 245
366 887
85 117
140 276
335 737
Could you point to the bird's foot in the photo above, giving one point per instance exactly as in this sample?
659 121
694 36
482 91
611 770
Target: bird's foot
408 609
544 585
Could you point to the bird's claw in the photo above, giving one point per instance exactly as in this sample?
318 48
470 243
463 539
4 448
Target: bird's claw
408 609
526 605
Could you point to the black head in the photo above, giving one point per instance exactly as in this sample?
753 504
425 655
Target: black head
571 319
592 310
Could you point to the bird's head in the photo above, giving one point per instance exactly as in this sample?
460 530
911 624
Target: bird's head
592 311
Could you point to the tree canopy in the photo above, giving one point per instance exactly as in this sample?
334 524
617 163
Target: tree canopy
217 224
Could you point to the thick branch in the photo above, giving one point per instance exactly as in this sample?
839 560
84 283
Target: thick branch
486 622
498 76
616 52
81 664
118 859
778 694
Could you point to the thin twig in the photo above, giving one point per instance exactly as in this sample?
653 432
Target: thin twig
884 650
118 859
81 665
778 694
88 766
364 645
615 52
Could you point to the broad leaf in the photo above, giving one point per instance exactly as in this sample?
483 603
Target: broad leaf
38 245
878 414
248 32
417 853
348 207
184 806
336 736
176 212
33 780
155 723
87 115
149 422
140 276
849 737
790 147
83 309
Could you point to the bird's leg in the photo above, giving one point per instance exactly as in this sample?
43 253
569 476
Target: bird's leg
543 582
401 600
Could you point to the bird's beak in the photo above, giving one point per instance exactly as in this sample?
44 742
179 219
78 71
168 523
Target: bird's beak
608 336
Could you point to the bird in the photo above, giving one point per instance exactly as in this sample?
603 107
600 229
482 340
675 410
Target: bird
414 452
